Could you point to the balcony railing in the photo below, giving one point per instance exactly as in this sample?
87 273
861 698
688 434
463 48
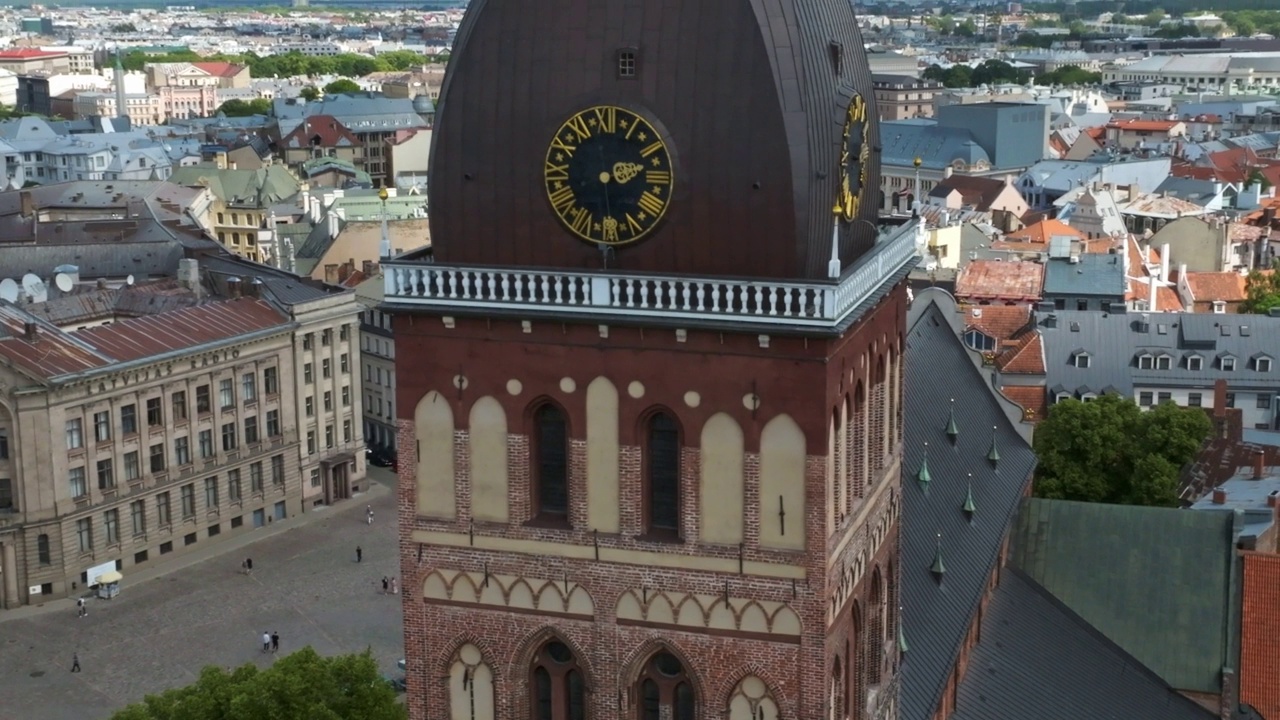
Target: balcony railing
814 304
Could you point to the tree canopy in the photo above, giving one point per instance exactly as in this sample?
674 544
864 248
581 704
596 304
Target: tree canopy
1069 75
293 63
299 686
1110 451
989 72
1262 291
342 85
245 108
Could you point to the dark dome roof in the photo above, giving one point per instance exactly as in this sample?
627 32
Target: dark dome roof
423 105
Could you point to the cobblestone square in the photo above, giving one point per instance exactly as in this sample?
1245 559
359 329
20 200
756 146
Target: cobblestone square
159 633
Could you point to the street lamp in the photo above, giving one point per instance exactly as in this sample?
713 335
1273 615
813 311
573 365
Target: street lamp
384 251
915 200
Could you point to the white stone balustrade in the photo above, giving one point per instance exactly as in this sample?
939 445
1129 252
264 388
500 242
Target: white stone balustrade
605 293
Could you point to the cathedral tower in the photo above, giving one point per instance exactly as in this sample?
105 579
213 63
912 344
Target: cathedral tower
649 373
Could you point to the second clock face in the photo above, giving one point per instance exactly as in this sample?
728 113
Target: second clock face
608 175
854 150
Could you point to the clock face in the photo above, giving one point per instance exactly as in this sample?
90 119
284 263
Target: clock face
608 175
854 152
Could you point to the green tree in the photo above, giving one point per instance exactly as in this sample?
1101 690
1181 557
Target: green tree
1119 19
967 29
956 76
1262 291
1155 17
1069 75
341 85
309 93
1176 32
245 108
991 72
1109 450
300 686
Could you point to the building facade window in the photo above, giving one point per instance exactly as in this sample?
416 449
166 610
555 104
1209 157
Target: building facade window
226 394
157 458
204 401
132 466
664 690
277 470
111 520
326 368
211 492
1193 399
182 451
1145 398
273 423
310 406
346 395
102 426
129 420
627 63
84 534
1195 362
155 412
271 381
1262 364
552 467
251 430
79 488
43 554
188 501
106 478
557 687
345 362
1163 397
233 485
311 442
163 511
138 513
249 387
75 434
328 401
179 406
1264 401
662 475
308 373
206 444
228 437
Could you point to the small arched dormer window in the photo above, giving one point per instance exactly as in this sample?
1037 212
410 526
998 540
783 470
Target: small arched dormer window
551 464
662 475
558 689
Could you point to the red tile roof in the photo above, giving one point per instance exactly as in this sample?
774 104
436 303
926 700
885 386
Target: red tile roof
220 69
999 322
29 54
1042 231
1003 281
1209 286
329 129
1031 398
1024 358
56 352
1144 125
1260 634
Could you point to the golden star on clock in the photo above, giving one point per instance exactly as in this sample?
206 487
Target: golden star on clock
624 123
643 136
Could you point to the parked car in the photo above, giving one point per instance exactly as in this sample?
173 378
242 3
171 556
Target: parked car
379 457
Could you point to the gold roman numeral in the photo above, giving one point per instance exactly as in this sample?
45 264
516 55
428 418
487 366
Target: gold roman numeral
655 147
562 200
657 177
581 222
579 125
560 145
555 172
608 118
650 204
635 227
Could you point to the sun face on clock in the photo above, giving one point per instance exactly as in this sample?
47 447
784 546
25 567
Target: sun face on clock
854 152
608 175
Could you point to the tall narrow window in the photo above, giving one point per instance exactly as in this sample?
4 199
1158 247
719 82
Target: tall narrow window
558 692
552 462
627 63
665 686
663 474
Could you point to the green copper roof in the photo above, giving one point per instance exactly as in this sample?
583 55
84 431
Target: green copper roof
922 475
952 431
902 638
938 568
969 507
994 453
1158 582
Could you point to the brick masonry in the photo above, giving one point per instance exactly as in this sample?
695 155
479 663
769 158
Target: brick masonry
848 554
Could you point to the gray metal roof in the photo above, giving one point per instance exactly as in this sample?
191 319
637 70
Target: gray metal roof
1114 343
1094 275
1200 192
936 146
936 616
1037 659
113 260
285 287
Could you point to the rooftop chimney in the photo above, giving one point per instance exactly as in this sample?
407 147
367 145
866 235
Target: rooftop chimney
31 332
1219 496
189 274
27 203
331 273
253 288
233 287
1220 398
1259 465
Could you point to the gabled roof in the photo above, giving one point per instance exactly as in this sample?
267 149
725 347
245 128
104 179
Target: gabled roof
1156 581
977 192
936 617
1026 357
1033 399
220 69
1038 659
324 131
1209 286
999 322
1041 232
1144 125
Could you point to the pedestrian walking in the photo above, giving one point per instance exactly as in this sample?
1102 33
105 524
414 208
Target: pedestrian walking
368 511
81 610
385 583
275 642
266 641
359 554
75 662
394 591
248 566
